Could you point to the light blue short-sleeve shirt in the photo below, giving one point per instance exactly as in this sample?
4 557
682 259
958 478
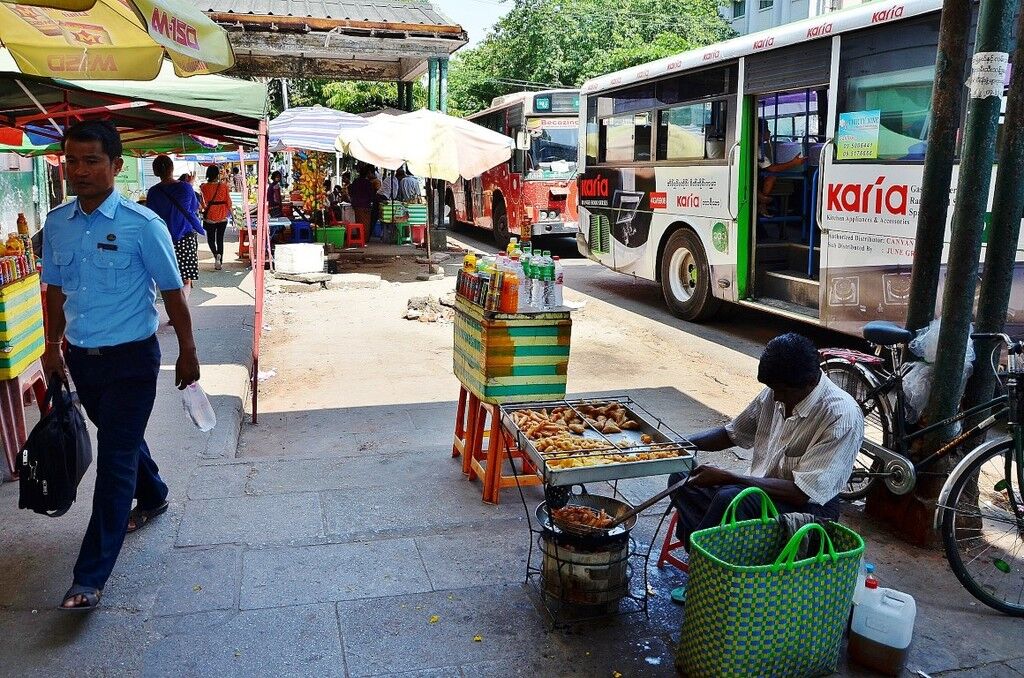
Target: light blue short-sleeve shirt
110 264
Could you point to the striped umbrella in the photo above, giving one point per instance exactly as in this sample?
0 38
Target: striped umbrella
311 128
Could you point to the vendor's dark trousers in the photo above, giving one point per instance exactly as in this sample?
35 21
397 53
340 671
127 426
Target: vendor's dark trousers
703 507
215 236
117 388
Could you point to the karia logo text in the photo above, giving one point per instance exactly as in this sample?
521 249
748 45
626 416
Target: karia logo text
819 31
887 14
81 63
174 28
692 200
764 43
876 198
674 65
659 201
594 188
712 55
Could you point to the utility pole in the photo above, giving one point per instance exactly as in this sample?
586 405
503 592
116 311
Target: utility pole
988 72
950 65
1004 231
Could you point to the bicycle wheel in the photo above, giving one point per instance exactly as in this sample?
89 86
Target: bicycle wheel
877 426
983 531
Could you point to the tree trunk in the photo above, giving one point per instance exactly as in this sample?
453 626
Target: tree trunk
950 66
995 21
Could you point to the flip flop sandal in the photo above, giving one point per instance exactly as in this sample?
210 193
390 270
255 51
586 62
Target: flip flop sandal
142 516
679 595
91 595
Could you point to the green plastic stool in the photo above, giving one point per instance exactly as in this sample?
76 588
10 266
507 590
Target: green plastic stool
402 236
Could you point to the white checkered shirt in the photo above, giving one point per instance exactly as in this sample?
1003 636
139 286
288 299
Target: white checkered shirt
815 447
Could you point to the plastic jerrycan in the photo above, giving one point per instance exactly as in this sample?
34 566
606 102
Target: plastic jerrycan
882 628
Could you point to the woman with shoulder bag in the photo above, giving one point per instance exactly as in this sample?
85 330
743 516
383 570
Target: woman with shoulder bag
175 202
216 208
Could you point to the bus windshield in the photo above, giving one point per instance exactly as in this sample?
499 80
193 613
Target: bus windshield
553 146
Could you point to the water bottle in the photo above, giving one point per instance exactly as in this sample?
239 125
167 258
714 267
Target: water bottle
198 407
538 265
866 570
559 280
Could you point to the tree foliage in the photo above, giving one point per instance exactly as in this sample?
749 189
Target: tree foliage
352 96
562 43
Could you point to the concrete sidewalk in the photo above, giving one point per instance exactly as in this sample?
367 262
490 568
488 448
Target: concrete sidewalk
339 537
152 576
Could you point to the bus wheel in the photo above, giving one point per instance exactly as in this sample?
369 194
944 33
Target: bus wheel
686 278
500 221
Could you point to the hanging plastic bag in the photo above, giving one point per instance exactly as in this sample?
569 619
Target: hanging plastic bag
917 381
198 407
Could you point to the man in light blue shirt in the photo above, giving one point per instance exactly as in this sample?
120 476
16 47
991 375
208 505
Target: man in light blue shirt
104 258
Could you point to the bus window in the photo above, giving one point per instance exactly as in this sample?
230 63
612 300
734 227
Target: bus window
692 131
891 69
626 138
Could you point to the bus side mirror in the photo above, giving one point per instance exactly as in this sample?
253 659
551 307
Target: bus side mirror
523 140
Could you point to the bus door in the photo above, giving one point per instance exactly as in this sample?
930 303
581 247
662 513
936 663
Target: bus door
788 90
476 195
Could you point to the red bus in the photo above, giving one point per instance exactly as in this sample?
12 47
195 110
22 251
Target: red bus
534 193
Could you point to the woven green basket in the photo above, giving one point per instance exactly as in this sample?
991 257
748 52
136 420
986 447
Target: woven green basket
751 611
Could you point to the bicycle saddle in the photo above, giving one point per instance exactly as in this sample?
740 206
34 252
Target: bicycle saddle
886 333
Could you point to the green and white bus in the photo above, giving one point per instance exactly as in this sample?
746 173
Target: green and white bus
780 169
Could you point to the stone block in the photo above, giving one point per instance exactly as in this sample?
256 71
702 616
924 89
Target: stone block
295 641
275 577
276 519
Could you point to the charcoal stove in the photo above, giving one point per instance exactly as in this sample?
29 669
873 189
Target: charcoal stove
586 570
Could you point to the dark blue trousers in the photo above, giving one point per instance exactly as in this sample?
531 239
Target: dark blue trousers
704 507
117 388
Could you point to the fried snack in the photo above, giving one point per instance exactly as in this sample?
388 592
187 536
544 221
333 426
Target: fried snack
646 439
582 515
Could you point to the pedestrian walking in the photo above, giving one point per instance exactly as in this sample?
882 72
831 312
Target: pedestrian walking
104 257
216 207
237 179
175 202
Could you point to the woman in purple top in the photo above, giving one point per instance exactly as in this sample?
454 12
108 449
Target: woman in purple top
361 193
175 202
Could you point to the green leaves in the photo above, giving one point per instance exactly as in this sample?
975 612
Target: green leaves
562 43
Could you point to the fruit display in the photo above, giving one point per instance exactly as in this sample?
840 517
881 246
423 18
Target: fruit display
313 169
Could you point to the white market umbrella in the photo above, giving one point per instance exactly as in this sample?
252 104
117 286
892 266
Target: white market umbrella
432 144
311 128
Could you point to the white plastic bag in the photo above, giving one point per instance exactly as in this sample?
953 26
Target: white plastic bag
198 407
917 381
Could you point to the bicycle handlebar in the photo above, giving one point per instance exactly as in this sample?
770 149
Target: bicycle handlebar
1014 347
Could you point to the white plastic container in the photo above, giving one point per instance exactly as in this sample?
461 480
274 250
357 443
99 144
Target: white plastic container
299 258
882 628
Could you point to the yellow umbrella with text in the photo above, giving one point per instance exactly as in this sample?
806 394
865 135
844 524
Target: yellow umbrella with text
112 39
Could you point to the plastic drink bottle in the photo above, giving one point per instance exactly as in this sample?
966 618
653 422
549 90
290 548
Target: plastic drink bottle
198 407
559 280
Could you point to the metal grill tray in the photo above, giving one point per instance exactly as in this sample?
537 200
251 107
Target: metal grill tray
664 438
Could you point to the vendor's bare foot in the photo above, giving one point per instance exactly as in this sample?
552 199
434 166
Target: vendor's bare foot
74 601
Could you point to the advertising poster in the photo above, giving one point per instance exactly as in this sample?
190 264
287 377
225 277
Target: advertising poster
857 138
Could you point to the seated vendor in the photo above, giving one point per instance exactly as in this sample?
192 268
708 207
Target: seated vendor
804 433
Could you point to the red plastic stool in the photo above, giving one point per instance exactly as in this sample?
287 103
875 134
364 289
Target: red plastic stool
355 234
671 545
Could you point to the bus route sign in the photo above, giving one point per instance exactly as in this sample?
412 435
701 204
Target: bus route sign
857 138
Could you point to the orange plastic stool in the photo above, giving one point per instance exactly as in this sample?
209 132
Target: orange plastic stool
243 243
484 447
671 544
355 234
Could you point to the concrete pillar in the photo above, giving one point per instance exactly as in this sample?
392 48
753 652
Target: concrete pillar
442 85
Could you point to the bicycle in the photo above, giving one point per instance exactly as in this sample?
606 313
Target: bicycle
983 489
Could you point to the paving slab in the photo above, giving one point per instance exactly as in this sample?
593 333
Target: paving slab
49 643
405 468
411 511
218 481
294 641
391 635
199 579
312 574
476 557
274 519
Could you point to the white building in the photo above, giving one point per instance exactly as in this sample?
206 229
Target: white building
749 16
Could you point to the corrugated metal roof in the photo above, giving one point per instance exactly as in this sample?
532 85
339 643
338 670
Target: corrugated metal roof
383 11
